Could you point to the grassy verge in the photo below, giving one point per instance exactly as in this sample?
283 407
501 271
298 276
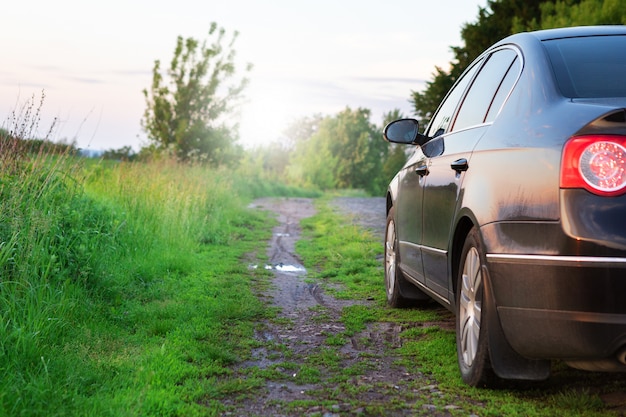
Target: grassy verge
123 289
341 253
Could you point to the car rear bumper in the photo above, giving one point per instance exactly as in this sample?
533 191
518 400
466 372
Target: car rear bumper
561 307
557 296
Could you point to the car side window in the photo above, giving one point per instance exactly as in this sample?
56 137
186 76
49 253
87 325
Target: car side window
482 91
443 118
503 91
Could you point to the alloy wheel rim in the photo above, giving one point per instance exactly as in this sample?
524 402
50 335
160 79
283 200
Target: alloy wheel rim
390 258
470 306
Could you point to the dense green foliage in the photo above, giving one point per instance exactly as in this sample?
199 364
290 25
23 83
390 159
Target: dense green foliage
343 151
346 151
563 13
188 107
125 153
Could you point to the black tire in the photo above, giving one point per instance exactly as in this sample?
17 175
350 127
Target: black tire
394 280
472 341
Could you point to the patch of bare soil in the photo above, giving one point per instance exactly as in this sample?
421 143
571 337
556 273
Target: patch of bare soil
367 212
308 318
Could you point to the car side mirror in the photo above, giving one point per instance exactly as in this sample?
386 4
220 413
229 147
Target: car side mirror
404 131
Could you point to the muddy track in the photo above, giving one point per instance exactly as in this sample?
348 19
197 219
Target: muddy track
308 317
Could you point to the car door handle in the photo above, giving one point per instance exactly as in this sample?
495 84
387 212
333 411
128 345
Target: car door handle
422 170
460 165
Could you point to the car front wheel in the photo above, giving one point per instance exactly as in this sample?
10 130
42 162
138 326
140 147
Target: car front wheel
393 275
471 324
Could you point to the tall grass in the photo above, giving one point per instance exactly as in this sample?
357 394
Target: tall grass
49 233
164 210
122 286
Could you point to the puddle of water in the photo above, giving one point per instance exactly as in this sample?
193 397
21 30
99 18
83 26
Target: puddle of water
289 268
281 268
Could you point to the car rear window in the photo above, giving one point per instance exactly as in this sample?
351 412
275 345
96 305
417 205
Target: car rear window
589 67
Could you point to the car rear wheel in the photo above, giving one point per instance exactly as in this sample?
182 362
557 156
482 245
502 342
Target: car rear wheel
471 325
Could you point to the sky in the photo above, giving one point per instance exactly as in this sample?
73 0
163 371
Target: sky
92 59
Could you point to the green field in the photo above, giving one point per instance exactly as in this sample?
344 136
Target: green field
122 288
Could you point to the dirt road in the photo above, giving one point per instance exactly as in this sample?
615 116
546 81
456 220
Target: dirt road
306 366
308 318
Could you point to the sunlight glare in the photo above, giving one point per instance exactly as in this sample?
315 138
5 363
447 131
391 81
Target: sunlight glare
266 115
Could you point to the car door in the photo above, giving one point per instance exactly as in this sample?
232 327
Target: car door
446 169
409 202
409 216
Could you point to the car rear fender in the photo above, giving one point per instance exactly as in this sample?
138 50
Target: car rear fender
463 226
506 363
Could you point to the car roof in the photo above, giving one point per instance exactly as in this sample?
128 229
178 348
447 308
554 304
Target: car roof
579 31
571 32
533 38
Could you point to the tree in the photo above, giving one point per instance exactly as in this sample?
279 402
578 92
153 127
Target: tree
396 154
301 129
313 164
496 21
344 151
425 102
125 153
187 108
392 115
564 13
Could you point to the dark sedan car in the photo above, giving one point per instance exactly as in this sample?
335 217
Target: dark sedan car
511 211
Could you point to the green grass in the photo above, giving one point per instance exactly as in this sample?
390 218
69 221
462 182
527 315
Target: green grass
124 288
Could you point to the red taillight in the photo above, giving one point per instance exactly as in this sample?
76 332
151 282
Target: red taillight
596 163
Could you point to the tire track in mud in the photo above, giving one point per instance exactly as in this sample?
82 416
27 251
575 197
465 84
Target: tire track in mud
290 292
